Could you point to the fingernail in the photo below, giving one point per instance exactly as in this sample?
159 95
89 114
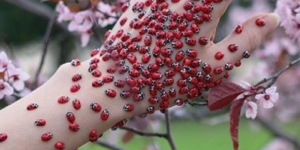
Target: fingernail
277 17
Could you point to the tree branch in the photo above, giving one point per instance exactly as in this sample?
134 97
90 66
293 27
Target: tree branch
277 132
46 12
109 146
274 77
44 50
144 133
168 128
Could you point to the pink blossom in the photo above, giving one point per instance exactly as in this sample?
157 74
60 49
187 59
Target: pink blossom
251 110
17 78
289 10
105 15
5 63
64 13
85 38
248 87
82 21
268 98
5 89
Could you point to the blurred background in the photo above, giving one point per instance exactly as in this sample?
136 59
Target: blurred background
23 28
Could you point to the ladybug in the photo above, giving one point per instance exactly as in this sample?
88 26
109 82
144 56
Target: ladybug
47 136
131 58
75 62
168 61
196 63
76 104
148 2
153 100
228 66
111 69
134 73
147 40
146 73
135 89
238 63
156 75
121 31
176 66
123 69
246 54
208 78
218 70
138 97
94 61
170 36
181 83
152 91
97 83
203 41
3 137
233 47
148 81
128 107
193 80
92 67
108 78
188 33
130 81
133 48
184 73
70 117
125 37
168 81
179 102
177 44
183 90
125 94
146 58
153 67
144 49
63 99
32 106
239 29
107 34
138 66
40 122
125 7
207 8
104 115
95 107
138 38
96 73
106 57
166 52
93 136
193 93
172 92
74 88
164 104
110 93
191 53
164 96
159 85
119 83
156 51
76 77
206 17
195 28
160 42
190 41
59 146
161 35
188 5
94 52
122 123
206 67
74 127
150 110
260 22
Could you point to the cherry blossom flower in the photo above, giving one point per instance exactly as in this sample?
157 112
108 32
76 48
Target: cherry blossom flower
82 21
268 98
5 89
289 12
17 78
248 87
64 13
5 63
251 110
105 15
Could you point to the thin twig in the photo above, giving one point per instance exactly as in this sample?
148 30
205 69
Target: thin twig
109 146
274 77
44 50
197 103
168 128
144 133
277 132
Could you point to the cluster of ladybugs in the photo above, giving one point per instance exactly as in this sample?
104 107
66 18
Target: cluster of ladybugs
161 28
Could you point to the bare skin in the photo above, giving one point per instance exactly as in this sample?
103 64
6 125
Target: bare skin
18 122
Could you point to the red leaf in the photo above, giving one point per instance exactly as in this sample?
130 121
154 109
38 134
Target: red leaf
127 137
235 111
223 94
